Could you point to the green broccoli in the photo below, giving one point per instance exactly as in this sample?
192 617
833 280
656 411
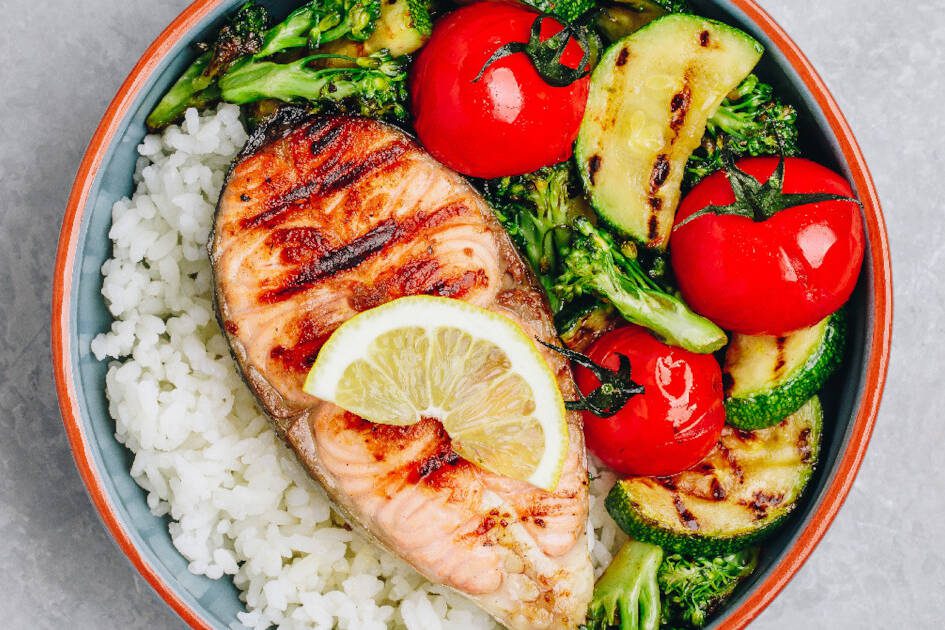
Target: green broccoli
245 41
596 265
537 210
627 595
241 35
751 121
321 21
694 588
373 86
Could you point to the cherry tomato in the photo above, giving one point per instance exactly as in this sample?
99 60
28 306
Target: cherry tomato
508 122
670 427
773 276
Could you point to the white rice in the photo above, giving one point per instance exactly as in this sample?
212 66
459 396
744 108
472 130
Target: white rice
239 503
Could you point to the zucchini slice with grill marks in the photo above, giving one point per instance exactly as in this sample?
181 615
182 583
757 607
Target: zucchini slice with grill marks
650 98
768 378
737 496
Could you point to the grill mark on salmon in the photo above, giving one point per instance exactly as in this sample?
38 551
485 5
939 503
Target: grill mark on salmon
343 215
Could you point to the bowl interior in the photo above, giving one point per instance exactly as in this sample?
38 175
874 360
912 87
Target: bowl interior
216 602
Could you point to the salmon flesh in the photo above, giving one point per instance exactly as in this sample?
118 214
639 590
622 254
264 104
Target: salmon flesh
324 217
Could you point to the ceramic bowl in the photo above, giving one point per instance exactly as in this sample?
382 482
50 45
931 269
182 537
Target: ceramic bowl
79 313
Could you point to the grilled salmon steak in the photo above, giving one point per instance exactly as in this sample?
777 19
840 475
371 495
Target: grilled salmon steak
323 217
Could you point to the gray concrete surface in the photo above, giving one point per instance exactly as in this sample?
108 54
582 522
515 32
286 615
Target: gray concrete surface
882 565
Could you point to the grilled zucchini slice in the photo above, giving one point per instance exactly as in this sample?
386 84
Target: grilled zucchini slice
769 378
650 98
737 496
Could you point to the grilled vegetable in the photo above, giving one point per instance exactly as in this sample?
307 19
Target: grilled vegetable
736 497
595 265
620 18
241 35
584 321
375 86
321 21
404 26
627 595
769 378
635 139
564 10
537 210
751 121
192 89
694 588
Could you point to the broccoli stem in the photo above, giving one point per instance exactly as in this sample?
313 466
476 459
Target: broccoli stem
192 89
595 265
664 314
376 83
627 594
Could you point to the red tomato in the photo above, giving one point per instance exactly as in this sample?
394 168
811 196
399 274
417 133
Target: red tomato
674 424
508 122
774 276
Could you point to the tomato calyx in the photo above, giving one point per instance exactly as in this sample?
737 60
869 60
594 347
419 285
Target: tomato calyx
546 55
616 386
761 201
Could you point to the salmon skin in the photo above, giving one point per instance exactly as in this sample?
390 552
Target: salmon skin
324 217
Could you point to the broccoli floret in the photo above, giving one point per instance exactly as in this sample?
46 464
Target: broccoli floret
321 21
751 121
242 35
537 211
627 595
596 265
693 588
372 86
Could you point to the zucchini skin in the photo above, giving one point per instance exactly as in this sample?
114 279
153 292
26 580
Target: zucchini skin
767 408
625 513
679 531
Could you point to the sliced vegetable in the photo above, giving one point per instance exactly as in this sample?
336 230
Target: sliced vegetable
736 497
584 321
769 378
694 588
627 595
595 265
770 246
620 18
650 98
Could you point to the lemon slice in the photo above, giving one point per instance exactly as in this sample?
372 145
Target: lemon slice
476 371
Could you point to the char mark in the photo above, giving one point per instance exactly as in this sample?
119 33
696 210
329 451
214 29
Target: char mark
679 106
781 360
653 226
352 254
333 175
622 56
659 174
704 39
286 119
593 165
340 259
687 518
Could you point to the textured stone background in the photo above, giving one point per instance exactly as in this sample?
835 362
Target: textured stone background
882 565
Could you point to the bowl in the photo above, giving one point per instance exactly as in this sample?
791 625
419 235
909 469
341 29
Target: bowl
79 313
